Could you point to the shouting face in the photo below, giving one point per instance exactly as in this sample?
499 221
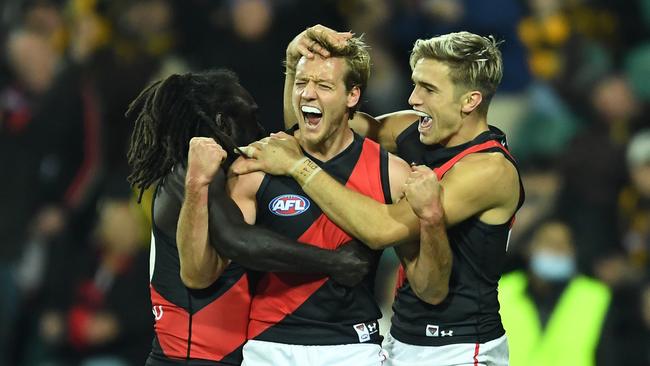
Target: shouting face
435 96
321 100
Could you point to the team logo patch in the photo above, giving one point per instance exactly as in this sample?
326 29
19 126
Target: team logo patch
289 205
362 332
432 330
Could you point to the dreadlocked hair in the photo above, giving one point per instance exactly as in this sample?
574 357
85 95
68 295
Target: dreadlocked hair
171 111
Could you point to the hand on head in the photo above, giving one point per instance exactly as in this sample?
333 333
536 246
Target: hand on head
305 43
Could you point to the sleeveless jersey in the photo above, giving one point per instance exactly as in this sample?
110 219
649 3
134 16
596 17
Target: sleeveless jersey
204 327
470 312
312 309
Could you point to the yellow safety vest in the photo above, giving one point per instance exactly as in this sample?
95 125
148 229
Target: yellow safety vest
572 331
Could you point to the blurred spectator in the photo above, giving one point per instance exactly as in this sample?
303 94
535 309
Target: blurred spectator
644 334
96 307
562 37
593 169
31 61
632 260
544 309
124 45
542 184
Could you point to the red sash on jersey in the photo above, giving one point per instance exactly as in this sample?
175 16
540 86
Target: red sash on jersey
283 293
442 170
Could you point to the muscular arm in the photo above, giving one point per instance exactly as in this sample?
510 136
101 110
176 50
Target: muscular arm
200 264
484 185
353 211
182 214
427 266
385 128
264 250
196 226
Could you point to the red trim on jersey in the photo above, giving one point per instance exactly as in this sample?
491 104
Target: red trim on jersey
440 172
476 354
401 278
444 168
366 175
218 329
280 294
172 323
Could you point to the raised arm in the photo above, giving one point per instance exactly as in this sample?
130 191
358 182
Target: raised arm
200 264
494 200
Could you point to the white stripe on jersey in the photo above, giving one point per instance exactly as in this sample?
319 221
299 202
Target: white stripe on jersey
152 256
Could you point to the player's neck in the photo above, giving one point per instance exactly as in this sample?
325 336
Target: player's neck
332 145
471 127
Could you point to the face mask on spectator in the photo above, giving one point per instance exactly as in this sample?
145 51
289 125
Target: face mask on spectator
551 266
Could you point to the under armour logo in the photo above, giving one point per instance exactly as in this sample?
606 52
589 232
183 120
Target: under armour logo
372 327
449 333
157 313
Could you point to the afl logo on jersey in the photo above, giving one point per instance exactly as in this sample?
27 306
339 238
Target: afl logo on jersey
289 205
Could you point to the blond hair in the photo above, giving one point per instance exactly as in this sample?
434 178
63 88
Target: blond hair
474 61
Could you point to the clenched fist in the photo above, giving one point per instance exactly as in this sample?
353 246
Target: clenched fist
422 191
203 161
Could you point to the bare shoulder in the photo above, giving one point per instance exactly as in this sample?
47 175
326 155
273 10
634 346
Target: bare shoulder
485 165
245 184
397 166
489 173
484 184
385 128
398 173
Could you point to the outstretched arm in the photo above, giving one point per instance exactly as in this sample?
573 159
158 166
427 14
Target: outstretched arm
383 129
350 210
258 248
428 266
427 257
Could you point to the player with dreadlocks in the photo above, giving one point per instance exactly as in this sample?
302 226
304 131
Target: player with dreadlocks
199 289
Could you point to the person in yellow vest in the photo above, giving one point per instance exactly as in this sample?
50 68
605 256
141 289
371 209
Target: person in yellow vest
552 315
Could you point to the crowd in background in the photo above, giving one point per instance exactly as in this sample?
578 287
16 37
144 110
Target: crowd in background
74 242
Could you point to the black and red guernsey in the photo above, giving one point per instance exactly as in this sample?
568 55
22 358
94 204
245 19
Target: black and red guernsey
195 327
308 309
470 313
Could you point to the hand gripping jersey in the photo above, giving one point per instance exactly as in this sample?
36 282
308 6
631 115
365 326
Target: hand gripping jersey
305 309
195 327
470 313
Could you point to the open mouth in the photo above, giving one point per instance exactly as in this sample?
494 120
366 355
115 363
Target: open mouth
425 121
312 115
